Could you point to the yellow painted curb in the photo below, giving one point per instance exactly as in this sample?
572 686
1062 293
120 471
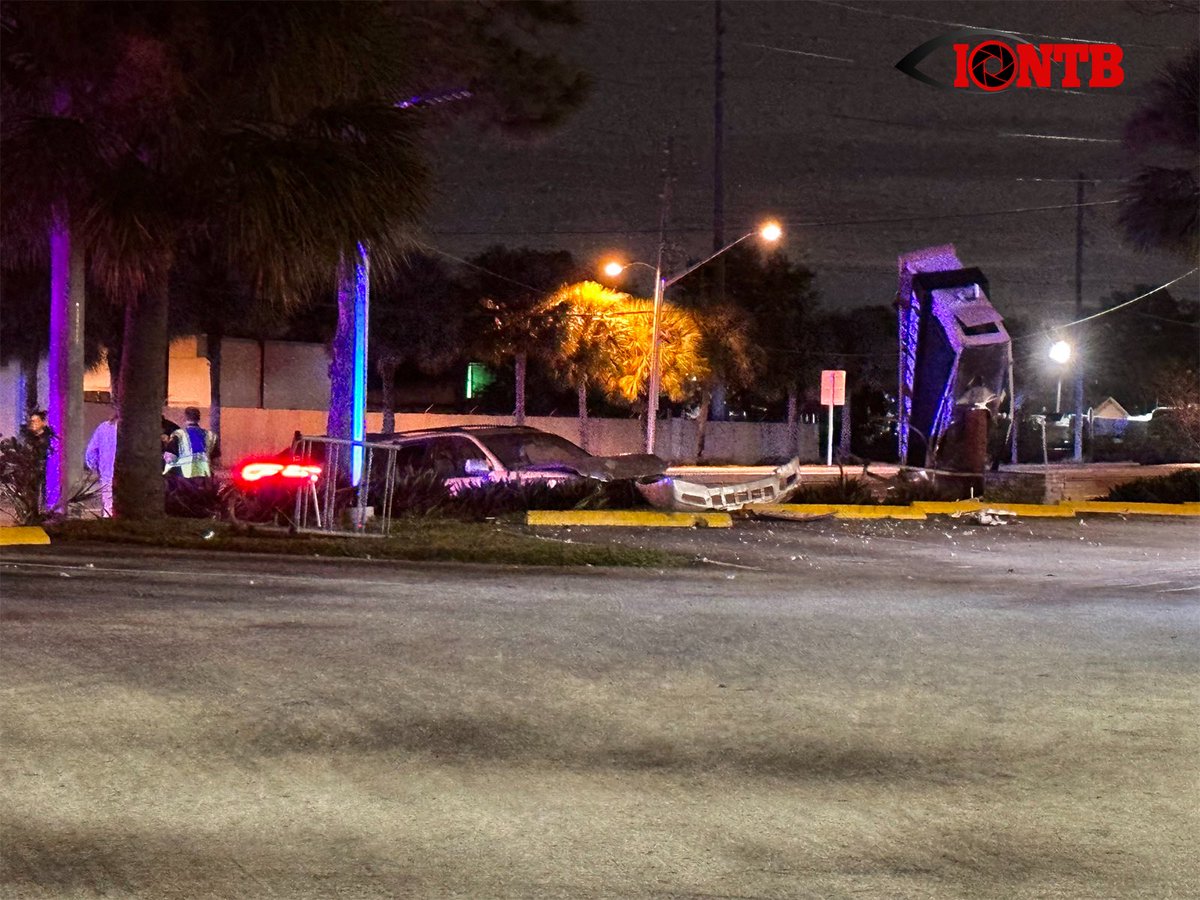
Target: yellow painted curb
11 535
628 518
1139 509
843 510
949 507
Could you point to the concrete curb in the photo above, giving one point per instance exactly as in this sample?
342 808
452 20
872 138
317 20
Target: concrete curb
1138 509
841 510
633 518
628 518
14 535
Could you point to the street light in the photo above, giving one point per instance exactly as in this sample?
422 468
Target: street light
770 231
1060 352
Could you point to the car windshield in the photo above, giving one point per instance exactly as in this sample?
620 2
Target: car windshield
515 450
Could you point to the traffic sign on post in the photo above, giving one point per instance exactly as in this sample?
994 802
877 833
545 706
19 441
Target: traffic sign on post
833 387
833 393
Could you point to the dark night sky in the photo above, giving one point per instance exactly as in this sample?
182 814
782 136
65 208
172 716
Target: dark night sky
816 140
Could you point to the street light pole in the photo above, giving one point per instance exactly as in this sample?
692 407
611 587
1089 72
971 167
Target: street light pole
652 388
769 232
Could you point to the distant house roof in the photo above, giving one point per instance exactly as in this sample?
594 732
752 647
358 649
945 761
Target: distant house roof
1109 409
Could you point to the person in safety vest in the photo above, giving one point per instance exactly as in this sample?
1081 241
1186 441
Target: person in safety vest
193 446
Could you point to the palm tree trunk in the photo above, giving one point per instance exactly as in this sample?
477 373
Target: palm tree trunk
844 436
581 389
112 358
702 422
718 407
214 338
30 363
137 478
341 358
793 404
387 374
65 465
519 412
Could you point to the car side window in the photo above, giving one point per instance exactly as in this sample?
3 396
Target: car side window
451 455
410 457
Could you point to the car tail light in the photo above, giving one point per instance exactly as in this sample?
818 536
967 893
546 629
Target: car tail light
273 471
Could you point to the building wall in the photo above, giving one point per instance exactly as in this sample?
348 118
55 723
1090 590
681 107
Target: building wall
14 393
249 432
187 373
296 376
275 374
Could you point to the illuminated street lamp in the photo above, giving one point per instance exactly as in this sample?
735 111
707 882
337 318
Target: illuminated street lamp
769 231
1060 353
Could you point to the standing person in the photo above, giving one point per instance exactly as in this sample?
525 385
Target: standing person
100 456
37 433
39 437
193 446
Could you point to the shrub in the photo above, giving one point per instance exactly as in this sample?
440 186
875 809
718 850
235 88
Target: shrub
847 489
423 493
1172 436
23 480
917 486
1179 487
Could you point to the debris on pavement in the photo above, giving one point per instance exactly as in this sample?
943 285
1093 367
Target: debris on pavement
985 516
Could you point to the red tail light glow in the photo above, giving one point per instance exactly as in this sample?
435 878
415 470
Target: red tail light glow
260 470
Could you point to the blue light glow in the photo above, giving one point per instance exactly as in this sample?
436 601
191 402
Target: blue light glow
909 316
358 412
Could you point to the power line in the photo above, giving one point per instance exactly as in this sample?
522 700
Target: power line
1112 309
1105 312
791 52
965 215
1052 37
917 217
1057 137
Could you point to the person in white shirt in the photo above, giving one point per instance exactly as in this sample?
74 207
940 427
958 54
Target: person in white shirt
100 456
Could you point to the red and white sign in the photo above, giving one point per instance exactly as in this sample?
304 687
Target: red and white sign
833 387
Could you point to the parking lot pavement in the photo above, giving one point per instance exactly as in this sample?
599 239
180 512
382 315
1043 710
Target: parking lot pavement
828 709
1090 550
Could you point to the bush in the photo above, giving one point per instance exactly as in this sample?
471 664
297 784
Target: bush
1179 487
846 489
424 494
919 486
1171 437
23 480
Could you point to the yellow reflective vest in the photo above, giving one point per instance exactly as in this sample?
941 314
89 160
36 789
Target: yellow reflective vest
195 445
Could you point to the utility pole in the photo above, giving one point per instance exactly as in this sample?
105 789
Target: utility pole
655 379
719 139
1078 355
717 405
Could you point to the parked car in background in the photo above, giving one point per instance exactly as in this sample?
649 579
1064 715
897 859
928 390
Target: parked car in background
473 455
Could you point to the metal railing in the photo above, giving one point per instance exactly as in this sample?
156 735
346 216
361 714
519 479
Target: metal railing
332 502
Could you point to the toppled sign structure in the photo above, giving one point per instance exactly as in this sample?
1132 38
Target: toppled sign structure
955 362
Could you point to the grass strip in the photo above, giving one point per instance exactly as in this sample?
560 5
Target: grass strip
413 540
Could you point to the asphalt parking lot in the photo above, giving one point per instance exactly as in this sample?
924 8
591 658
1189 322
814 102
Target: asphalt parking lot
825 709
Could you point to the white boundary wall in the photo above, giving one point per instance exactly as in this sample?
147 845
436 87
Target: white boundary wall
248 432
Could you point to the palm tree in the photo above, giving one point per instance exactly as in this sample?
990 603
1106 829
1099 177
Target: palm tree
590 348
1163 199
734 358
271 131
517 318
780 300
606 344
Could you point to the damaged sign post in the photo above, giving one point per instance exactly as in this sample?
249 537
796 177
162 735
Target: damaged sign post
833 393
